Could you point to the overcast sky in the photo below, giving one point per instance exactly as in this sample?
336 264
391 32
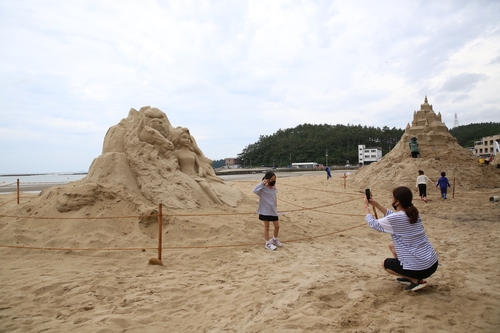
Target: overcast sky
231 71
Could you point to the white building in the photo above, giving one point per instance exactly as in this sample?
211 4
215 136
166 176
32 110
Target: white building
367 155
486 146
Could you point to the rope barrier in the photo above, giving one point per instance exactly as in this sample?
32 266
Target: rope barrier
173 247
159 216
8 184
4 203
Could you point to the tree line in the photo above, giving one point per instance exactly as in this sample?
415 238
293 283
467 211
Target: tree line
468 134
312 143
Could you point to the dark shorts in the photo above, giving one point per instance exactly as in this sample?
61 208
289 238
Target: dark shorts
395 266
422 188
415 154
270 218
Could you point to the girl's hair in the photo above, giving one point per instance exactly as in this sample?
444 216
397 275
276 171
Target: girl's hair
443 174
420 172
268 175
177 135
404 195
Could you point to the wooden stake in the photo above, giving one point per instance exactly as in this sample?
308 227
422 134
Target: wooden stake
155 261
453 190
160 230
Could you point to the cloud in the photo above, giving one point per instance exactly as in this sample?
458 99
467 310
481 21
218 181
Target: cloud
231 71
463 82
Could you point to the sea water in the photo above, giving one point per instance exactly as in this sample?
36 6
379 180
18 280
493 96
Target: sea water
55 178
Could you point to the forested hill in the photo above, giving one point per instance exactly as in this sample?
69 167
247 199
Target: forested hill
468 134
308 143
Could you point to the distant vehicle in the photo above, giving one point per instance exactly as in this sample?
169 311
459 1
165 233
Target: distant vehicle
347 165
305 165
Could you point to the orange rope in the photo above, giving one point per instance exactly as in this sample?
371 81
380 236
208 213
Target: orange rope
170 247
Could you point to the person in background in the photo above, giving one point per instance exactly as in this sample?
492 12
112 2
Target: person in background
443 184
415 152
422 185
328 173
267 210
414 257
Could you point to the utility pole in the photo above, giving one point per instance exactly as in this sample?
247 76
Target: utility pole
326 157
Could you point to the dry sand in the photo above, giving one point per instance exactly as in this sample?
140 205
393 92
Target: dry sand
217 276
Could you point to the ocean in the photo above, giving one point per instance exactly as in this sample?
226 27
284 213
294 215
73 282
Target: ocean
8 183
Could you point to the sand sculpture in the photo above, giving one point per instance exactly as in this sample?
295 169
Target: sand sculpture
162 163
439 151
145 161
432 134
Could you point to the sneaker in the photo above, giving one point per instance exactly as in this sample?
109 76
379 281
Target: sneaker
417 286
276 242
270 246
425 199
403 281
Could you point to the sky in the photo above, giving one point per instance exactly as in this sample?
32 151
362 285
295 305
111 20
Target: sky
232 71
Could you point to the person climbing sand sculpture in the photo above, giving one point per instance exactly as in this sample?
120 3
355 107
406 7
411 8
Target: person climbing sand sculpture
190 164
443 185
415 152
422 185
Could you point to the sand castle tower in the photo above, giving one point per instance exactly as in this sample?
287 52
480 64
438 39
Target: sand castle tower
432 135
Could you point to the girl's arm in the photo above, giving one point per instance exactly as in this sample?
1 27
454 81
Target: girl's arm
197 164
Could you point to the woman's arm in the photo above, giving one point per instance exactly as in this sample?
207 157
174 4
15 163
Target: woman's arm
380 208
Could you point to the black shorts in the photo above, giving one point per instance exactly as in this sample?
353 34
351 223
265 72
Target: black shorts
422 188
395 266
270 218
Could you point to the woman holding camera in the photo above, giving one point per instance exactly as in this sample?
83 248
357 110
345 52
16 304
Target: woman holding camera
414 257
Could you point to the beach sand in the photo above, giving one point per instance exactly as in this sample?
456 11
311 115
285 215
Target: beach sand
218 277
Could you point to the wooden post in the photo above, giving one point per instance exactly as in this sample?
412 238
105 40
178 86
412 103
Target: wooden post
453 195
18 191
160 231
344 180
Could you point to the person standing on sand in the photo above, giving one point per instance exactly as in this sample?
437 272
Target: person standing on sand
422 185
414 257
267 210
443 184
328 173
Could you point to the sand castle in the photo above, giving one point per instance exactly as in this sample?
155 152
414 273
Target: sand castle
439 151
432 134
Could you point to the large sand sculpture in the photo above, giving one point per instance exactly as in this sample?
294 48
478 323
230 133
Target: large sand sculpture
439 151
145 161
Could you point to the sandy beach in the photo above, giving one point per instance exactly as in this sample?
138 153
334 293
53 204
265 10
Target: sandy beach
218 277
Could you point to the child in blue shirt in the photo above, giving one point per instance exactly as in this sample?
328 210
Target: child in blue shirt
443 184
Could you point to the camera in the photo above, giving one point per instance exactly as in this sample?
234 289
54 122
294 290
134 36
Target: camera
368 194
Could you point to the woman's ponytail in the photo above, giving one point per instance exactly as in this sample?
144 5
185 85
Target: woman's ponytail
404 195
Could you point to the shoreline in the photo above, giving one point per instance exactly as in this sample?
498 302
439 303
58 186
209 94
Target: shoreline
39 186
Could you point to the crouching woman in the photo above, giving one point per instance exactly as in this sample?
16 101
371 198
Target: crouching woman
414 257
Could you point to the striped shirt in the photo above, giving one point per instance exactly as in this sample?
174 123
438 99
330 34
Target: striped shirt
413 249
267 200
